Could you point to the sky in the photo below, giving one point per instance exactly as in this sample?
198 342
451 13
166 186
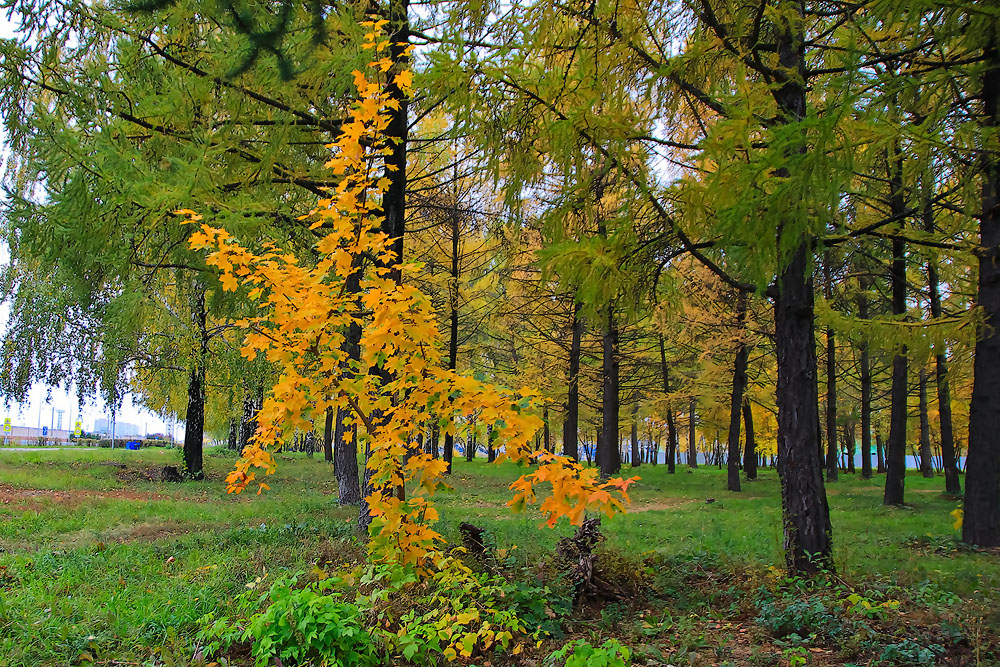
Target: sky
43 403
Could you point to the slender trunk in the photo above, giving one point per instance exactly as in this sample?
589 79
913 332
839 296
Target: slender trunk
692 446
736 400
866 391
608 459
849 430
982 481
895 479
831 382
571 446
951 480
880 454
546 435
470 443
671 426
750 448
634 454
449 438
926 467
194 420
328 436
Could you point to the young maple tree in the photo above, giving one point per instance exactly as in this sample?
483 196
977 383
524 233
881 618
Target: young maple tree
399 387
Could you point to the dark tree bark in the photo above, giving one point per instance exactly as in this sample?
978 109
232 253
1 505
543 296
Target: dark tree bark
491 452
394 199
982 477
449 438
194 419
926 466
736 400
895 478
470 444
608 458
546 435
692 446
571 446
880 454
806 515
750 448
951 481
345 461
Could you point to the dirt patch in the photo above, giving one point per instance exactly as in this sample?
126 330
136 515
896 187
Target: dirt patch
655 506
34 499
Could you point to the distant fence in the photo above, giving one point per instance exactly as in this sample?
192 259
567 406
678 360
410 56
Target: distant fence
43 441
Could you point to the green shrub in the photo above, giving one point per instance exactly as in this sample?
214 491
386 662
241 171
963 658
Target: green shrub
581 653
311 625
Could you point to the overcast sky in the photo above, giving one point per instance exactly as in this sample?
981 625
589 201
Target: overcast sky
43 401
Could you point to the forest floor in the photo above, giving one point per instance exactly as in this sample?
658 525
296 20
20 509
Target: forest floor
100 565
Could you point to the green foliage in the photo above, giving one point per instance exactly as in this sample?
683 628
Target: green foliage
581 653
308 625
909 652
799 618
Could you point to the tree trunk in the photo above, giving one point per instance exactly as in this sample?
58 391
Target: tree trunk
982 477
750 448
194 420
736 400
608 459
671 426
394 199
571 445
328 436
926 466
692 445
895 478
951 481
866 394
449 438
634 454
880 454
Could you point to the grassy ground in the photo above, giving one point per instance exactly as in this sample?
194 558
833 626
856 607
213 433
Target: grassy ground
97 562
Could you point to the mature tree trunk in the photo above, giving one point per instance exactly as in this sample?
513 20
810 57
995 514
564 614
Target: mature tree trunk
926 466
571 445
194 420
449 438
951 481
880 454
750 448
608 458
345 461
491 452
692 446
895 478
736 400
546 434
394 199
982 478
807 530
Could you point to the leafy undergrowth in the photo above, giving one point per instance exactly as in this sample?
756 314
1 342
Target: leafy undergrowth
679 611
108 569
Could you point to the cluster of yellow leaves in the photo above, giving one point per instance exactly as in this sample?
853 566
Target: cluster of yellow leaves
399 387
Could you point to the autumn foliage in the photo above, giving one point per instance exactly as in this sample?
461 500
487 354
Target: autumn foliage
399 388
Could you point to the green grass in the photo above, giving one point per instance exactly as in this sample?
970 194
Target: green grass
121 569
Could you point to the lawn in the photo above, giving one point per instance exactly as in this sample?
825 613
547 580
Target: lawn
99 564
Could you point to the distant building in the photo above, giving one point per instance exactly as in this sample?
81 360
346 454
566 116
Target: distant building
102 426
